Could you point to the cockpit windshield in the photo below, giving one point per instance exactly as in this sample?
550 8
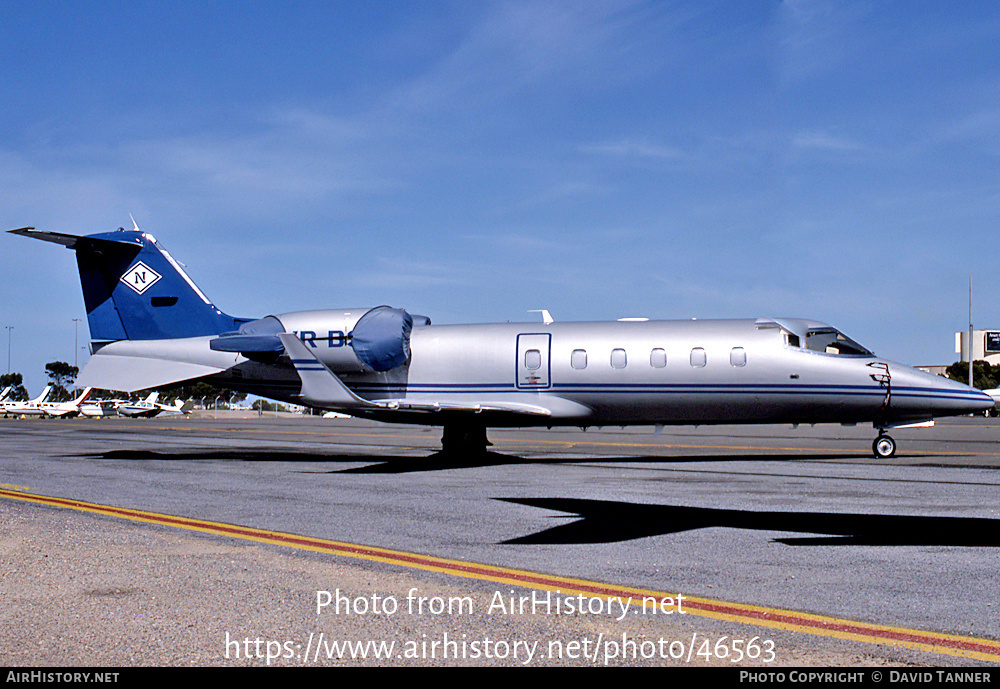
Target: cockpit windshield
814 336
832 341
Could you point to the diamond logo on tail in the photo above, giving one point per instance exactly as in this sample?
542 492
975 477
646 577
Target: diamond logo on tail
140 277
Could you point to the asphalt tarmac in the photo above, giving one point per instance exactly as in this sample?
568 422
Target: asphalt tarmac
794 543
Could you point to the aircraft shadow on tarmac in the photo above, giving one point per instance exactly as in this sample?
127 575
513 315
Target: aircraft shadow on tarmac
600 521
378 464
438 461
441 461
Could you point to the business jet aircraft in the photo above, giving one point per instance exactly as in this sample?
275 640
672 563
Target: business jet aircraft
151 326
149 407
29 408
65 409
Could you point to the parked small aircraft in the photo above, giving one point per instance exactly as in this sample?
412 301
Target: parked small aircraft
65 409
151 326
149 407
96 409
29 408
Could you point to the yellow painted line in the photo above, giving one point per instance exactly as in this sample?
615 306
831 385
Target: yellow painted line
775 618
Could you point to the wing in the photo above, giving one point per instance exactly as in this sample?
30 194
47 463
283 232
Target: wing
322 388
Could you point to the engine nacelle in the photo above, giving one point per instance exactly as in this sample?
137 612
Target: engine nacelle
346 340
329 334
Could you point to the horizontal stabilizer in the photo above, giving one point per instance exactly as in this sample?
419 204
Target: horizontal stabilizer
131 373
72 241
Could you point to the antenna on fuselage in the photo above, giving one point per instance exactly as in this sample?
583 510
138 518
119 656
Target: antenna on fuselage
134 223
546 316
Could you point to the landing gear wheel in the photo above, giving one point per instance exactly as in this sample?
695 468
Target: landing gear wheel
466 440
884 447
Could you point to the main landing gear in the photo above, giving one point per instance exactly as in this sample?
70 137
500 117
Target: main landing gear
464 440
884 446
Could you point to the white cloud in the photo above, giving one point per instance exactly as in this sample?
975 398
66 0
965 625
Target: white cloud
545 48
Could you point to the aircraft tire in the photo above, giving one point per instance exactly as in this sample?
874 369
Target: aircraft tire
884 447
466 440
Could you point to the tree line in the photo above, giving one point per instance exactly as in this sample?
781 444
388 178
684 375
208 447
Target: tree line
62 376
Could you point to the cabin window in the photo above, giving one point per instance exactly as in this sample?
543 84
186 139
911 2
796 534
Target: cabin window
658 358
578 359
618 359
738 356
698 358
532 359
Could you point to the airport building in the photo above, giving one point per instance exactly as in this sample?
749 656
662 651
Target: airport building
985 346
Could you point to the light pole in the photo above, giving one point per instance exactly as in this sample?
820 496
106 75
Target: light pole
76 344
9 328
970 332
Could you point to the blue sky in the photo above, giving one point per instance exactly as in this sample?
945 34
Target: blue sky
472 160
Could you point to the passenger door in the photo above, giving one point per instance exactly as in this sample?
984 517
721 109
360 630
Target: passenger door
533 361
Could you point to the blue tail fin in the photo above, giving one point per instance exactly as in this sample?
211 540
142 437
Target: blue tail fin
134 290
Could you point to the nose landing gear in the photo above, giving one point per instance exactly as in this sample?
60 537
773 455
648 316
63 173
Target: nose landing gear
884 446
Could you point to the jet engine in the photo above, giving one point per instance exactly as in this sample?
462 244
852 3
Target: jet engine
345 340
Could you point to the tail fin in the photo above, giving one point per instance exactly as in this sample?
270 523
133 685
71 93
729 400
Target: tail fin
45 393
134 290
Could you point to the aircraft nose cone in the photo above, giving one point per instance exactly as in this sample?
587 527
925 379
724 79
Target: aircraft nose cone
959 398
968 399
917 392
984 402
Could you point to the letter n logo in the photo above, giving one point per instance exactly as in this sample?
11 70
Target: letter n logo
140 277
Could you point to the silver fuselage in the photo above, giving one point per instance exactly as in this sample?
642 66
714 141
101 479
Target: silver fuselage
619 373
